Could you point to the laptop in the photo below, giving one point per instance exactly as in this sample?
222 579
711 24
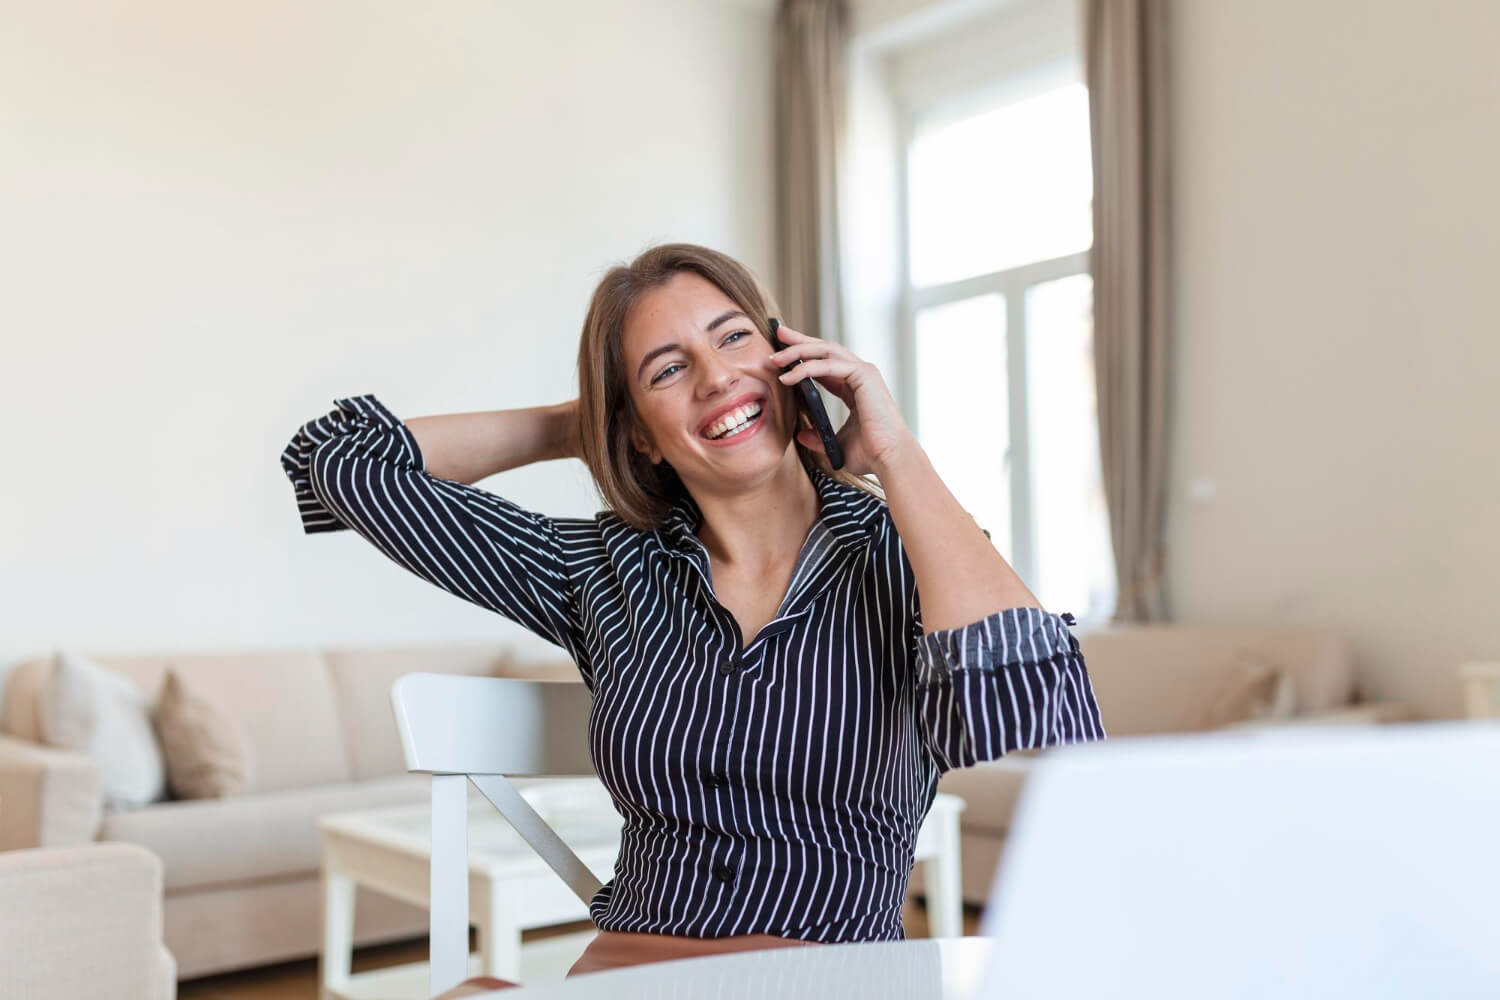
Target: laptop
1290 863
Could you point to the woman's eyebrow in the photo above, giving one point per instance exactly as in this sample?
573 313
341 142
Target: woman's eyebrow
664 348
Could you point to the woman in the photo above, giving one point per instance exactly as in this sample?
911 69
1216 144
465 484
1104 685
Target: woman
773 702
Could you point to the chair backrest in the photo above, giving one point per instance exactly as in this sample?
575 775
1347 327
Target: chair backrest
478 730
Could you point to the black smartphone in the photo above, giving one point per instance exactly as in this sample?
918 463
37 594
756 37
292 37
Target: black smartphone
812 405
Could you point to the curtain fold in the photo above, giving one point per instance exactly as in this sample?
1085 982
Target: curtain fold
812 42
1125 63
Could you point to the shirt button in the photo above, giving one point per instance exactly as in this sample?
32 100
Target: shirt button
724 873
726 668
716 781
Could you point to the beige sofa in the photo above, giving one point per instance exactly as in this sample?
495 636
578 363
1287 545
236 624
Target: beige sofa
240 875
83 922
1168 679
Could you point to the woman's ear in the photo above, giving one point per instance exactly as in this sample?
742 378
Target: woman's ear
644 446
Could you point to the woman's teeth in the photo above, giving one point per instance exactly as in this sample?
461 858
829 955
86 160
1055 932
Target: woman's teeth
733 423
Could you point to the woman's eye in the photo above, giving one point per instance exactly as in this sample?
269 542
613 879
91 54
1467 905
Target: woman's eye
672 368
665 372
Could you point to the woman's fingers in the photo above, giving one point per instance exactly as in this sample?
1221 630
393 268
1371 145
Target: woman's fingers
812 349
818 368
831 374
801 346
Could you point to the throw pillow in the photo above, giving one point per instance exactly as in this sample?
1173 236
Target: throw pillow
22 717
88 708
207 754
1255 691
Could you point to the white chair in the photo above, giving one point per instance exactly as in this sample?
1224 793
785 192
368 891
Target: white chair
481 729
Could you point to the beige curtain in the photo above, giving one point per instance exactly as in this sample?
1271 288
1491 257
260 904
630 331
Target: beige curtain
812 39
1125 59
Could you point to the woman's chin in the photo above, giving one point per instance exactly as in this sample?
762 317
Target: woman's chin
746 464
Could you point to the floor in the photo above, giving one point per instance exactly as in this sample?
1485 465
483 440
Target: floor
299 980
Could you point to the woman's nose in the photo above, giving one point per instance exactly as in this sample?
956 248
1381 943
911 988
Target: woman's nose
717 377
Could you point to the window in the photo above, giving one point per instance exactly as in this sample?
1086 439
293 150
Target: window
1000 324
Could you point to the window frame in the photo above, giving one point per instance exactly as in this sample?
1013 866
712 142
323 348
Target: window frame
1013 283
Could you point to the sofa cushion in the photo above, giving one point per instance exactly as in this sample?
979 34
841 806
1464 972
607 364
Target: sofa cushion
275 835
207 755
282 699
990 790
88 708
363 677
1159 678
1255 690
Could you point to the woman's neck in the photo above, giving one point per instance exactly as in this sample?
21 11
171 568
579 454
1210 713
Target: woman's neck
764 525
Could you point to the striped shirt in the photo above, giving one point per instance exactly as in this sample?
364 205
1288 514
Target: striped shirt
774 786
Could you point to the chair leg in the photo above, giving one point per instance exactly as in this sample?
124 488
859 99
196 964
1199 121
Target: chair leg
448 893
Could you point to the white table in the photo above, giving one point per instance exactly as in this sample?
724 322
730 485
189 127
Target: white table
947 969
511 889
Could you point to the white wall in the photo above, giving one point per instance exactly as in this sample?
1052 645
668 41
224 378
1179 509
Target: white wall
1338 327
219 217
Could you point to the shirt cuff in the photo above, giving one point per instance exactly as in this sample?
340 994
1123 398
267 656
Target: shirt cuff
1014 637
365 430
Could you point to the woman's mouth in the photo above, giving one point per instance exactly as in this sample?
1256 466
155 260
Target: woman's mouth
736 423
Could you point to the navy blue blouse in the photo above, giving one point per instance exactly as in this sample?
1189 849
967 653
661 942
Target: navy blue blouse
774 786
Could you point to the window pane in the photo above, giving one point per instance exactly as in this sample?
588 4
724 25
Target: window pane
962 399
1075 565
1001 189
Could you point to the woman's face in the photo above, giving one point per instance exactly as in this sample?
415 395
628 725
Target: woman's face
703 384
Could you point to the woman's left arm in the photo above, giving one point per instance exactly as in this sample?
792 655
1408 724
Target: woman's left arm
996 672
961 575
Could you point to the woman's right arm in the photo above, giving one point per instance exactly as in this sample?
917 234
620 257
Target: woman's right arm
468 447
360 468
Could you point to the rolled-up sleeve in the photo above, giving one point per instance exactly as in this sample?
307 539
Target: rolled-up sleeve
359 467
1012 680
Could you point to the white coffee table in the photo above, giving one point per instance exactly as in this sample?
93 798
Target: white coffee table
511 889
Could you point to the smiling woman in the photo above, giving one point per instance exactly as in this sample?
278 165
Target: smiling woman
782 659
654 331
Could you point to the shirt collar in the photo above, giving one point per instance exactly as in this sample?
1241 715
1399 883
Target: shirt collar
850 514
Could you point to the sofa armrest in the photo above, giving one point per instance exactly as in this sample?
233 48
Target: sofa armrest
48 797
1368 713
83 921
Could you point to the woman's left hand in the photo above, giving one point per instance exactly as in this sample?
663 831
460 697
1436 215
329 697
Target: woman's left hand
875 432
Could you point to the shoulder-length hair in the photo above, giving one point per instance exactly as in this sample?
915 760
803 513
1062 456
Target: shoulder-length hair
639 492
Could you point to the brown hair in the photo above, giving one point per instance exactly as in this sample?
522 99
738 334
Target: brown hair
629 484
